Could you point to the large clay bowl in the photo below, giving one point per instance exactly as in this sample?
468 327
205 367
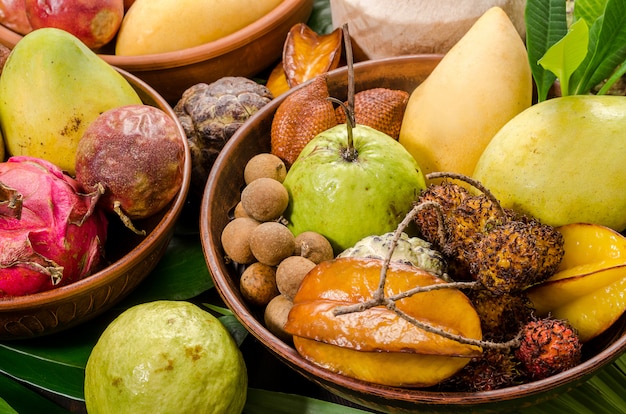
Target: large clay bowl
244 53
131 259
222 194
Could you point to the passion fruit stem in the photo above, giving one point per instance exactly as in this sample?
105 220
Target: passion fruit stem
126 220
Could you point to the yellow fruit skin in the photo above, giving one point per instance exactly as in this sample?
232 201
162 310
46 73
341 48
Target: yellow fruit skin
165 357
478 86
377 345
562 161
52 87
158 26
588 290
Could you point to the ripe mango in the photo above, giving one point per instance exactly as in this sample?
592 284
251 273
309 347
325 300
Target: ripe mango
52 87
478 86
159 26
562 161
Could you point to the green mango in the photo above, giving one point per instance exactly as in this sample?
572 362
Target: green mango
562 161
52 87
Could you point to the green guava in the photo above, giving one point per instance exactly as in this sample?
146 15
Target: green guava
165 357
347 195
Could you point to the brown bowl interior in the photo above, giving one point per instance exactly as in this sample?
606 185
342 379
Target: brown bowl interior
131 259
246 52
222 194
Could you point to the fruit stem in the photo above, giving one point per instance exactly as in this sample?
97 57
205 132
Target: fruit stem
379 298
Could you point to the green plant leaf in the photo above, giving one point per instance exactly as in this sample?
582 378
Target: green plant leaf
270 402
589 10
566 55
607 48
546 24
320 20
16 398
181 274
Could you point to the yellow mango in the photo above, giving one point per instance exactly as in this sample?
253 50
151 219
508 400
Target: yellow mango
478 86
158 26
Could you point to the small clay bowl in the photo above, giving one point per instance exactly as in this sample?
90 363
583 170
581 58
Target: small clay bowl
222 193
246 52
131 259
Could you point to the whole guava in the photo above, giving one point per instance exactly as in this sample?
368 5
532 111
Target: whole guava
348 192
165 357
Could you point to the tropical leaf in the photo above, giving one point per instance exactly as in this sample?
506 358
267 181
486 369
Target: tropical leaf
546 24
16 398
269 402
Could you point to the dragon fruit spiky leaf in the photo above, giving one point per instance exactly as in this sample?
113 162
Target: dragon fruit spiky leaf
10 201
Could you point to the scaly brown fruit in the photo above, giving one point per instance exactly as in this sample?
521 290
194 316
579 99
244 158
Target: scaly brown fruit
299 118
379 108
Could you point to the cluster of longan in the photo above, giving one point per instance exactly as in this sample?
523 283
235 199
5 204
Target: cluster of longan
276 261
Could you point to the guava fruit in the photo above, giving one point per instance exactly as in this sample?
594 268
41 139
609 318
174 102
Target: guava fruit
165 357
346 196
561 161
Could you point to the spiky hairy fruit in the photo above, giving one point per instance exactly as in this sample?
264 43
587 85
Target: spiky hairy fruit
548 346
494 369
501 316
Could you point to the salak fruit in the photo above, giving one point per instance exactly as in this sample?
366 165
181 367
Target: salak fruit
51 234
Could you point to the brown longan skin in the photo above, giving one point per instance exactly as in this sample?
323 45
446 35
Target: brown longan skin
240 211
264 199
314 247
290 273
236 240
264 165
275 317
258 284
271 242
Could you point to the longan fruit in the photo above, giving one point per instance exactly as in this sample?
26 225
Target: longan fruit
290 272
275 317
264 165
264 199
271 242
314 247
258 284
240 211
236 239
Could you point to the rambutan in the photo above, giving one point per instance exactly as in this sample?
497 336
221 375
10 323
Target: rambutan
548 346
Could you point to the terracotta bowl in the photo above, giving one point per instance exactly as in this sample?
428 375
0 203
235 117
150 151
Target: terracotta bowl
131 259
222 194
243 53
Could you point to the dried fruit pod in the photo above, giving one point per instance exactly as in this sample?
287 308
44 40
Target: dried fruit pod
357 344
299 118
379 108
306 54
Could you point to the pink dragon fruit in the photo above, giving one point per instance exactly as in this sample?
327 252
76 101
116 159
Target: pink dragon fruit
50 233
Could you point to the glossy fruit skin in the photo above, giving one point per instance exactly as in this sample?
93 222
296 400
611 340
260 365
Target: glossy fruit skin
358 344
561 161
345 200
588 289
94 22
52 88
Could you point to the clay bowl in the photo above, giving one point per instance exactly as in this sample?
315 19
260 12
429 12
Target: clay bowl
131 258
243 53
221 195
